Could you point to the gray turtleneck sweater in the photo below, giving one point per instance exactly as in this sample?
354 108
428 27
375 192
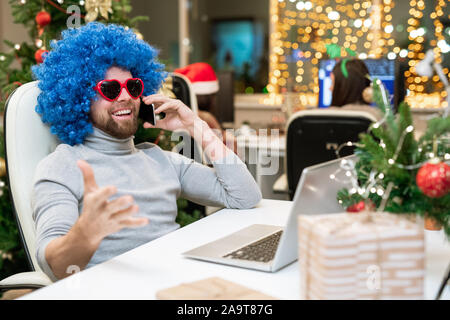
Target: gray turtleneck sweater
154 177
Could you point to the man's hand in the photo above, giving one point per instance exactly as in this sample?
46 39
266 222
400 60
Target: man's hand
178 115
101 217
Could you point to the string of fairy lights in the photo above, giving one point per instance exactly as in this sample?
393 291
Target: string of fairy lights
346 173
416 83
416 34
300 31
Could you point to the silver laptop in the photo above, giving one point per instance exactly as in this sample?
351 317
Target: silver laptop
270 247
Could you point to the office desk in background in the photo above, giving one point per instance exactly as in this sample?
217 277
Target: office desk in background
265 159
143 271
259 152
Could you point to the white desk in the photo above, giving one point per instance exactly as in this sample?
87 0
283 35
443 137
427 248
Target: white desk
140 273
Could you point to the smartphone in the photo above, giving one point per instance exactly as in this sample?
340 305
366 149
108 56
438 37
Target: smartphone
147 113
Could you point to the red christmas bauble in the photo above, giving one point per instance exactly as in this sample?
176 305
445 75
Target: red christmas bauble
357 207
433 179
39 55
43 18
363 205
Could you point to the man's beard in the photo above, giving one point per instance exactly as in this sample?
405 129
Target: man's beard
125 129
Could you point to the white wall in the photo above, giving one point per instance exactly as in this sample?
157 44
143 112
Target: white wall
161 31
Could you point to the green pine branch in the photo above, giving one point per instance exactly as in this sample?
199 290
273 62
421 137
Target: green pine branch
400 145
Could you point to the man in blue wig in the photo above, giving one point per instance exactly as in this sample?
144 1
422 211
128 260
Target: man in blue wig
92 82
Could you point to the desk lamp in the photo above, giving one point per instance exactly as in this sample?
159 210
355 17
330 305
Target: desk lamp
425 68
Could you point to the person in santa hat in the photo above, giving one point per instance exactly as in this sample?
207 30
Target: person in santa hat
205 86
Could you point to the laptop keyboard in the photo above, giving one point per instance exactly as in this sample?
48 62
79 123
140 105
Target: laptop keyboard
262 250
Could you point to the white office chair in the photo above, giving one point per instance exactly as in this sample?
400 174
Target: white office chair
27 141
312 137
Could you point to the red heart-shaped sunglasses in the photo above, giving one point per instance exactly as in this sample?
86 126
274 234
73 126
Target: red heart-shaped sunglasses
110 89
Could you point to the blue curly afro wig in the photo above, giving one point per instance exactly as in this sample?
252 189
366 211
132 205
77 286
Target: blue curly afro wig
74 66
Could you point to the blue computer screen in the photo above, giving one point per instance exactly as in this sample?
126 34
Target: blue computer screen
242 41
382 69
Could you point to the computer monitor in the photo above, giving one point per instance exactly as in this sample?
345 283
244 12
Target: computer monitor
383 69
238 44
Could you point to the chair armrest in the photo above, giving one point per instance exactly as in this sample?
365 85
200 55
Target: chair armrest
25 280
281 185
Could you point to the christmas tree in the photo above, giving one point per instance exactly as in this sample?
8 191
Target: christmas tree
397 173
44 20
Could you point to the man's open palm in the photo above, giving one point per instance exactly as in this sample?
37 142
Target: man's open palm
101 217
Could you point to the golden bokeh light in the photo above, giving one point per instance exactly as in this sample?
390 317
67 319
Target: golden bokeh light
299 36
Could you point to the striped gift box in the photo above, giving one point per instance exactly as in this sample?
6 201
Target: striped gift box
373 255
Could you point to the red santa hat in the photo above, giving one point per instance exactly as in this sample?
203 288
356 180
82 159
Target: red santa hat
202 77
